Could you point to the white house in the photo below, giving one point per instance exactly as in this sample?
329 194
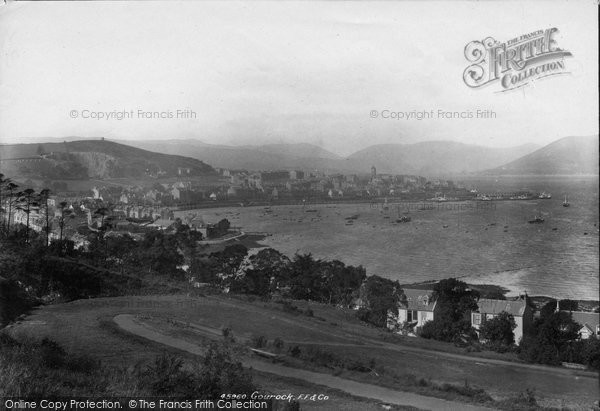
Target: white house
519 308
415 308
590 323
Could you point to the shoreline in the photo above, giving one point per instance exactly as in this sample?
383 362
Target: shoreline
252 241
538 300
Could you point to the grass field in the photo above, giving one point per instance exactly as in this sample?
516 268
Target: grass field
86 327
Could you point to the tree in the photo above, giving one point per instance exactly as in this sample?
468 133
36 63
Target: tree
225 264
121 249
455 301
159 253
456 296
342 282
28 201
3 182
102 212
499 330
381 295
252 282
64 213
12 198
44 200
564 305
305 278
550 339
261 273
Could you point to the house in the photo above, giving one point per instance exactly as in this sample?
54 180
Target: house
590 323
520 309
416 307
296 175
162 224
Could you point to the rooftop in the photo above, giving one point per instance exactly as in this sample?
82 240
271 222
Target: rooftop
514 307
420 300
590 320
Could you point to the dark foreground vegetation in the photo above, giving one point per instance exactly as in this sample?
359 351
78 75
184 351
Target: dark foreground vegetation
56 373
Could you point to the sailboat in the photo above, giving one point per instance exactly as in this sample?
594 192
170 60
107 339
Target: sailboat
566 202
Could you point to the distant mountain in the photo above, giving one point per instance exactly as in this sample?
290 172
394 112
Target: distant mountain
299 150
569 155
92 159
435 158
265 157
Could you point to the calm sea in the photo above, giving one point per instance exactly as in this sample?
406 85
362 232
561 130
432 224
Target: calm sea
486 243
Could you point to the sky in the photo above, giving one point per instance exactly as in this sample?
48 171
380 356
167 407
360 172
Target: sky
326 73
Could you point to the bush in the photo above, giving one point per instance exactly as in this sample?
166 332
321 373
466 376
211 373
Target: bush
295 351
228 334
466 390
166 377
219 373
259 341
288 307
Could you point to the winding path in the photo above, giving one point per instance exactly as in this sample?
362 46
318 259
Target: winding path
128 323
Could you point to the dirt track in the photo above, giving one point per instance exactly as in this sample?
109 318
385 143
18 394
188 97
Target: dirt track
128 323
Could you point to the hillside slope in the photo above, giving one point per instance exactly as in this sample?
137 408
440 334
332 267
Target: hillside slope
267 157
569 155
92 158
435 157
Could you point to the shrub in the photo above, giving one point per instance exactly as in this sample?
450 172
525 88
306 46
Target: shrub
165 376
228 334
466 390
259 341
218 372
288 307
295 351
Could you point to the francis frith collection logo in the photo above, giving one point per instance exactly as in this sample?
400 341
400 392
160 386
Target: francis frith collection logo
516 62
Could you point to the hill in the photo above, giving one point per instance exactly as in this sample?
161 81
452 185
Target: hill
299 150
428 158
265 157
435 157
93 159
569 155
